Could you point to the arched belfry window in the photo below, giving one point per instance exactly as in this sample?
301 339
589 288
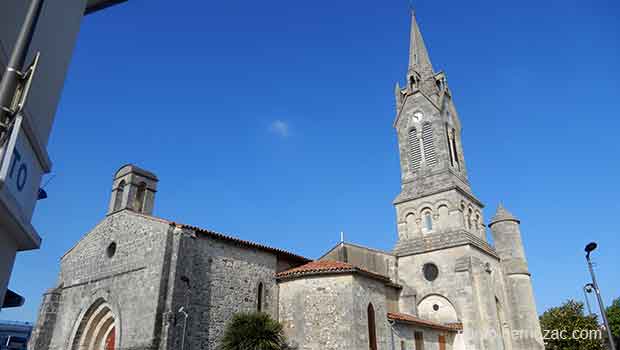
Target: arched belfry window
140 197
415 154
372 330
428 222
118 197
259 298
430 155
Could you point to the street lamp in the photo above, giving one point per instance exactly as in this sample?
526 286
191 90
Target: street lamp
589 249
587 289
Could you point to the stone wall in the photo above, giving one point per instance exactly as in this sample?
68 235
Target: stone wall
380 262
330 312
129 280
224 278
369 291
470 280
48 313
404 337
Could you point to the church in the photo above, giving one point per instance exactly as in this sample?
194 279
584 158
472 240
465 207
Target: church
140 282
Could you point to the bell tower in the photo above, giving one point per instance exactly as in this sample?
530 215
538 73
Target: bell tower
133 188
436 197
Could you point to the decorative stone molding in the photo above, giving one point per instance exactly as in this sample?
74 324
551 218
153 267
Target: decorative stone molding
445 240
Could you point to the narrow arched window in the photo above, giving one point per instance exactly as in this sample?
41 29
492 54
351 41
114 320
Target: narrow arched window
415 155
140 196
444 219
259 298
428 221
430 155
118 197
454 149
449 140
372 331
410 220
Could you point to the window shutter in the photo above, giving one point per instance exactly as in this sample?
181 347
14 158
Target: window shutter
415 155
430 156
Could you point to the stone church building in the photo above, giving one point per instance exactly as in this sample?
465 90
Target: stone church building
139 282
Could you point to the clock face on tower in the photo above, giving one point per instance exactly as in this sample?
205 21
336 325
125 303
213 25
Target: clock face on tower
417 116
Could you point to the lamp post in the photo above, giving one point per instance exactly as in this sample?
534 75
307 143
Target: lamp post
589 249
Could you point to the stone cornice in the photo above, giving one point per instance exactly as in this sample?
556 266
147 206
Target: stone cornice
404 198
440 241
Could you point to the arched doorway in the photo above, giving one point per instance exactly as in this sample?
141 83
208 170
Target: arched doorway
97 329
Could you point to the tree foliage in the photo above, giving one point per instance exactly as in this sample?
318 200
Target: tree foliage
253 331
613 316
567 328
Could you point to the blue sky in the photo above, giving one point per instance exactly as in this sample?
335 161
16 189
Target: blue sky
272 121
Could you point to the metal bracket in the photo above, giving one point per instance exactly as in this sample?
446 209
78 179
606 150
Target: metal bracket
23 89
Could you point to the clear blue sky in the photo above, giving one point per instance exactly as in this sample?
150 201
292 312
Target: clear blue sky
272 121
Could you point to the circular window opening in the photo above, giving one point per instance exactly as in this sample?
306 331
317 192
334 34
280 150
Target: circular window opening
430 272
111 250
436 307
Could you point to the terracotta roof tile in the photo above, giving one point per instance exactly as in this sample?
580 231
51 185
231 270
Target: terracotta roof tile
319 267
410 319
224 237
212 234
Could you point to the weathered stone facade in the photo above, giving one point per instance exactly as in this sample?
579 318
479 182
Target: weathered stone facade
140 282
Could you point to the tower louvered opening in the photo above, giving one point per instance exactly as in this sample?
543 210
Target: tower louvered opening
415 154
430 155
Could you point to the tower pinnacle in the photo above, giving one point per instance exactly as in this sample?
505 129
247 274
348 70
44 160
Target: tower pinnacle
419 60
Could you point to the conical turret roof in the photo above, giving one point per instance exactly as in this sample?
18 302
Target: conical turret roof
502 214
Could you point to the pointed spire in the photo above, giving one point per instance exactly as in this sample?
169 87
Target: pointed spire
419 60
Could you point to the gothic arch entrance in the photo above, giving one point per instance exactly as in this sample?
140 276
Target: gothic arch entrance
97 329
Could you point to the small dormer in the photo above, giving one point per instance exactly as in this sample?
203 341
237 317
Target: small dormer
133 188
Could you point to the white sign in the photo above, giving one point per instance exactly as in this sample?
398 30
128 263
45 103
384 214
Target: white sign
20 177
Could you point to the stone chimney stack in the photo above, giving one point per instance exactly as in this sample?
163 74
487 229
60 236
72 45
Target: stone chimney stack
133 188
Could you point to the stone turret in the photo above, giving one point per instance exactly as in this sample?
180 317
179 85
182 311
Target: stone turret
133 188
506 232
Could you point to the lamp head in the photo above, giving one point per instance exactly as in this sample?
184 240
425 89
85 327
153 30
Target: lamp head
590 248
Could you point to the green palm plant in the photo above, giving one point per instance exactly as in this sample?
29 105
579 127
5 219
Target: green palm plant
253 331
